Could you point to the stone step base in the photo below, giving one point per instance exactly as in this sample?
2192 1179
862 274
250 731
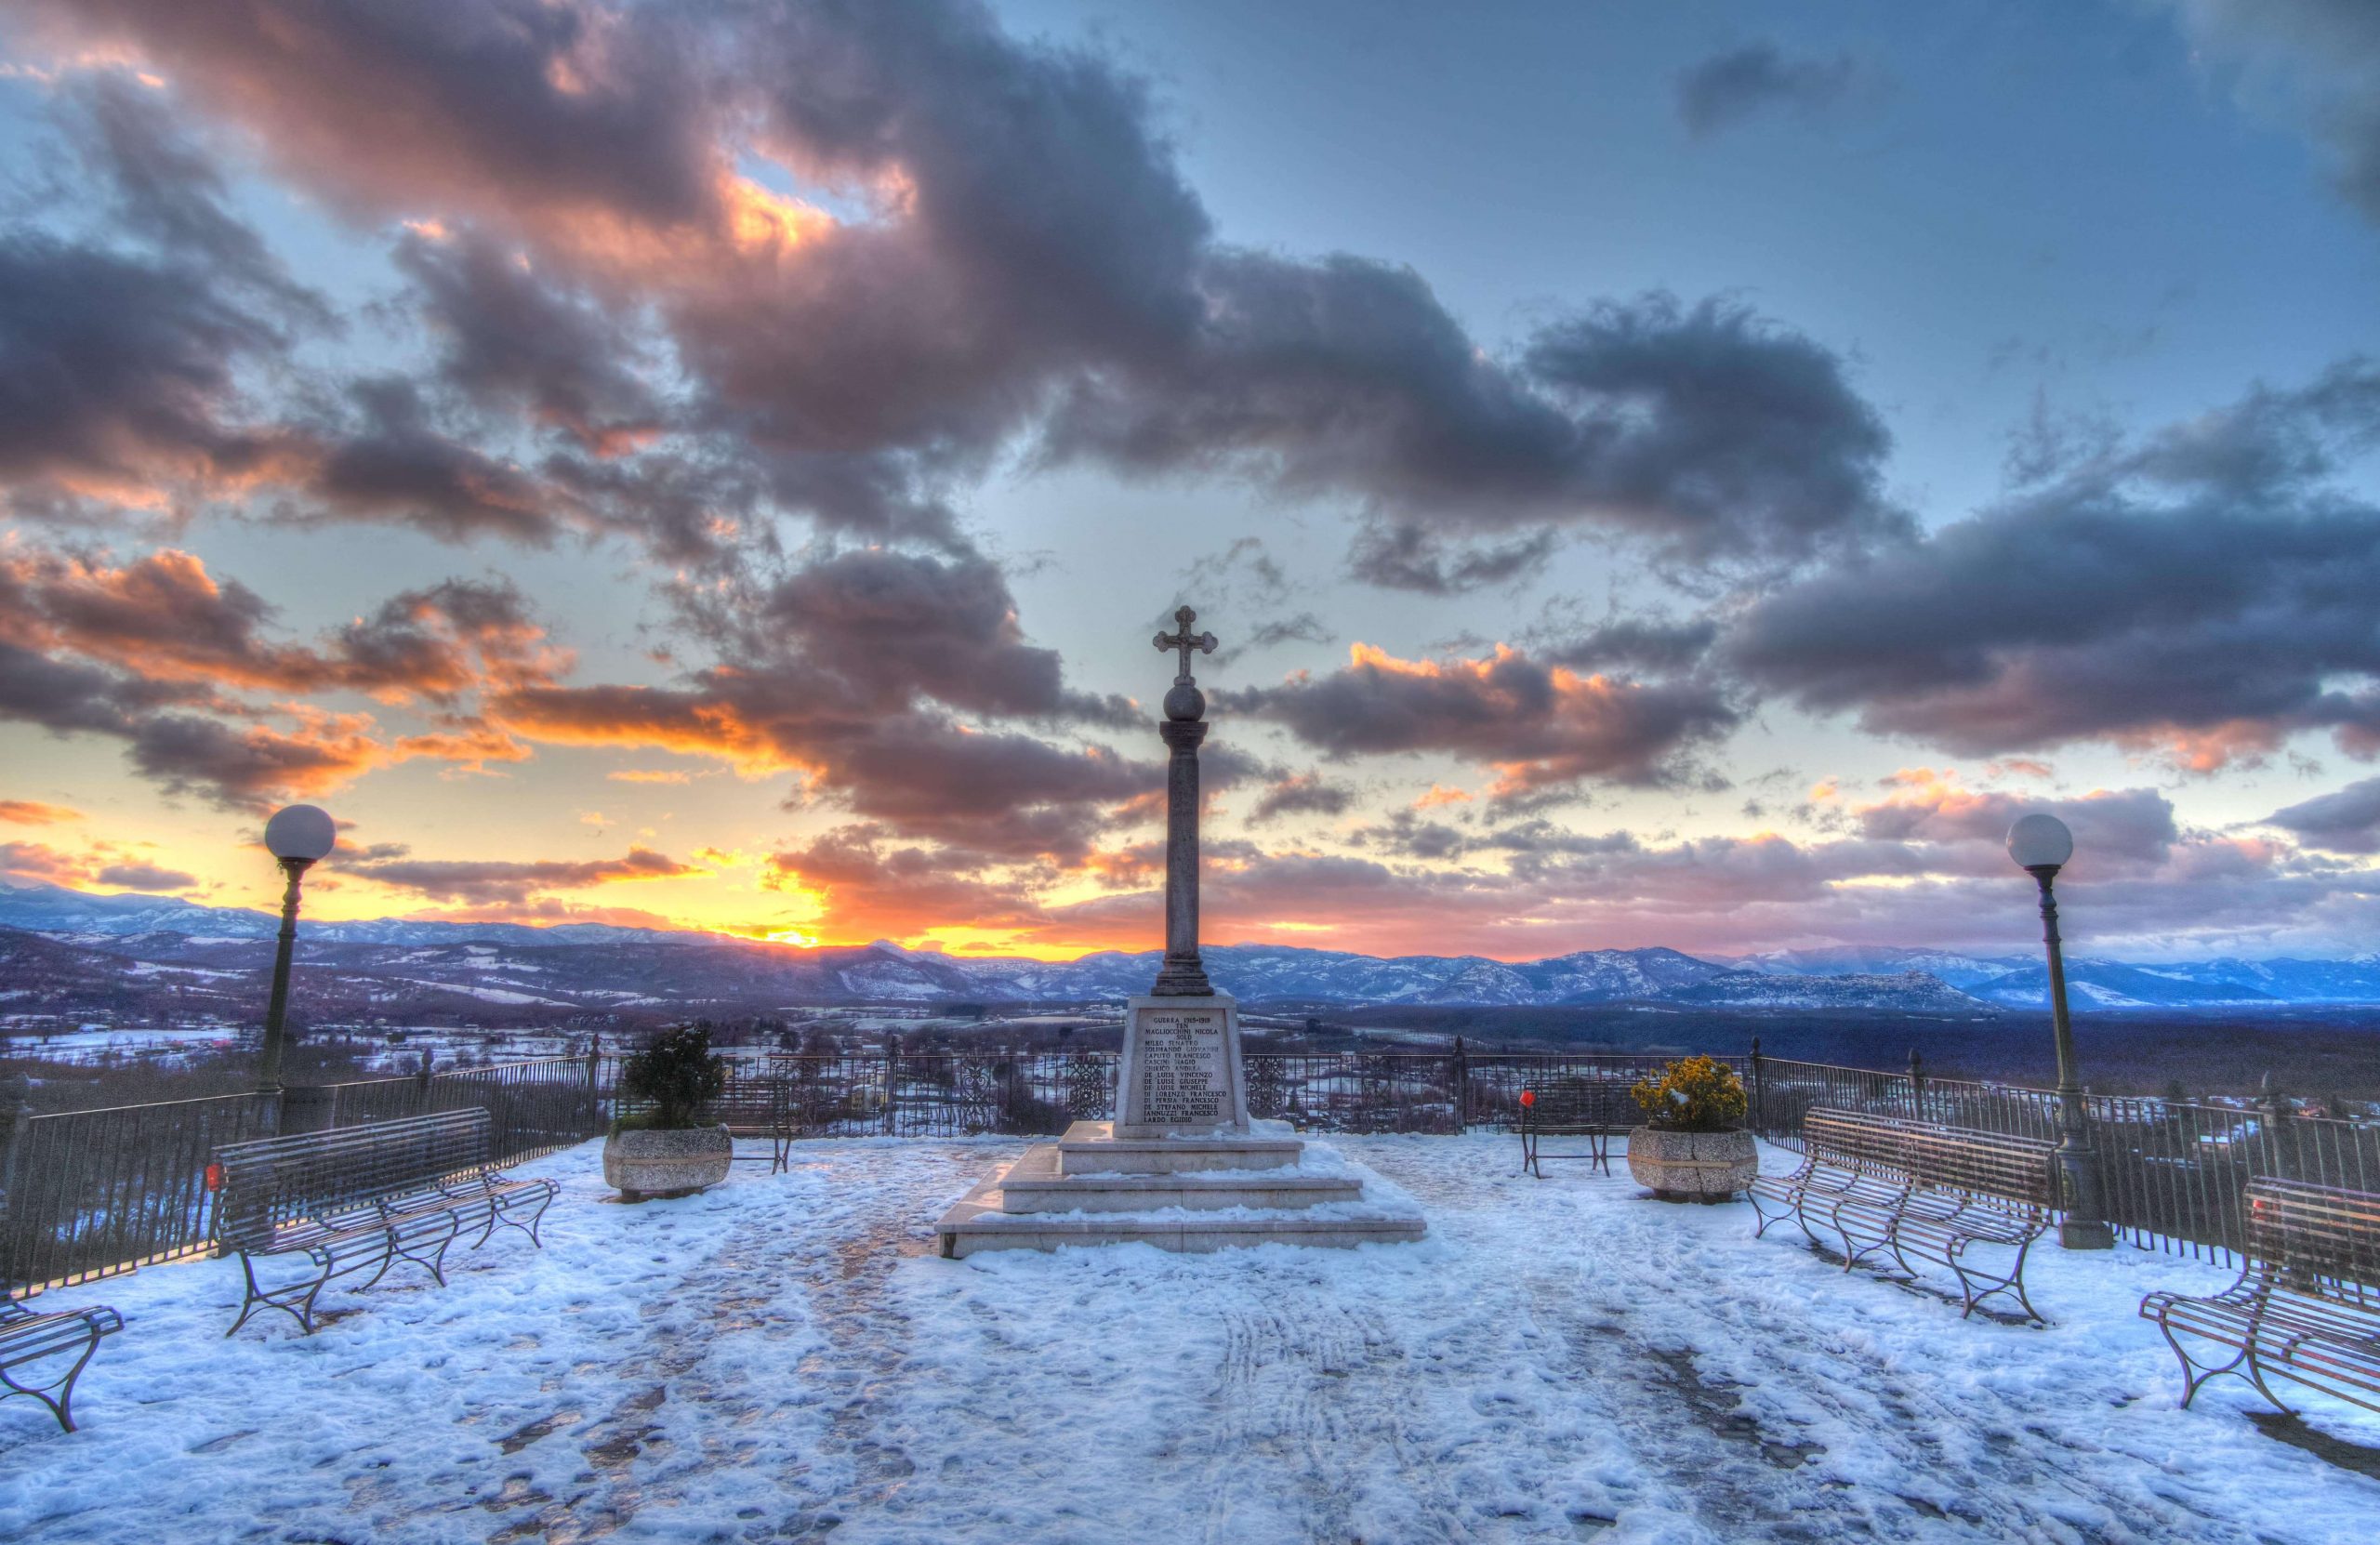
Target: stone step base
1033 1185
1092 1147
988 1217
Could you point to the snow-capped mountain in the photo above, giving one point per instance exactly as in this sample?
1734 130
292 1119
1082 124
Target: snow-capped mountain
87 948
78 914
1959 970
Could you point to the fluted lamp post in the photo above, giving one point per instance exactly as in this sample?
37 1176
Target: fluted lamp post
296 835
2041 845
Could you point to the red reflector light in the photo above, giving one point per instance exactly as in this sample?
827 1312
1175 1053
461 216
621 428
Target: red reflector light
214 1177
1528 1098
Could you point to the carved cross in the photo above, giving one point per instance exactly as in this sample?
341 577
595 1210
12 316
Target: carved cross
1185 640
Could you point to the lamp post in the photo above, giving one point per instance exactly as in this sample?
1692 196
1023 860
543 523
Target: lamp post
2041 845
296 835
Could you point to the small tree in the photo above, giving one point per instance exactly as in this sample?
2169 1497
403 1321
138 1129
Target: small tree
677 1073
1693 1094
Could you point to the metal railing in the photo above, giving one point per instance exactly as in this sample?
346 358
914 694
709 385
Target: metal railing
87 1193
2173 1174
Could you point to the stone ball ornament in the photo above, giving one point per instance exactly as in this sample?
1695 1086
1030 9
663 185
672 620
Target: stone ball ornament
2040 841
301 832
1185 703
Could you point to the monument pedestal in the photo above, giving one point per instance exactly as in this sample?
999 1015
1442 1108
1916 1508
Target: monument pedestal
1189 1193
1183 1168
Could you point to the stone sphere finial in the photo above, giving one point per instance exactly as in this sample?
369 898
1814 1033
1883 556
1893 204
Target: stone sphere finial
1185 703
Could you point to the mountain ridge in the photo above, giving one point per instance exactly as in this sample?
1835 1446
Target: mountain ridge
167 939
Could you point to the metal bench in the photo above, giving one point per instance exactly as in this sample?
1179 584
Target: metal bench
1889 1186
1597 1109
2306 1306
28 1337
359 1199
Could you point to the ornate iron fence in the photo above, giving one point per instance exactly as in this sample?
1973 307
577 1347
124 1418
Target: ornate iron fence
86 1193
89 1193
2173 1175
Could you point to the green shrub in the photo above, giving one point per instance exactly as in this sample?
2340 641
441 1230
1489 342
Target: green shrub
676 1074
1693 1094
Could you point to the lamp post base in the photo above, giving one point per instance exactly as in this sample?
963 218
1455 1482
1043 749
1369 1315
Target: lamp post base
2075 1234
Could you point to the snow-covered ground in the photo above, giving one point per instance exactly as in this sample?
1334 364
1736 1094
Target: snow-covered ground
784 1357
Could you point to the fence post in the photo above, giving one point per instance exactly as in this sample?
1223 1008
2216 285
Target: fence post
2273 1106
308 1108
421 1085
1759 1090
1462 1087
16 1129
595 1084
1916 1086
892 1082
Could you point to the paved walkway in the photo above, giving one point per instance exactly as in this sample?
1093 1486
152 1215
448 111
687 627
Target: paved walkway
783 1358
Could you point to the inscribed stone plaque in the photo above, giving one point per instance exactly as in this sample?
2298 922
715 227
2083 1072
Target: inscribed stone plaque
1180 1066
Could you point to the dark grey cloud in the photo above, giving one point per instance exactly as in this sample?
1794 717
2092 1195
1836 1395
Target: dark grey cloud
170 194
60 694
486 881
2115 830
512 339
145 877
2324 55
246 767
387 459
1301 794
516 107
2207 593
895 625
850 668
1648 644
1539 726
2344 820
1031 267
1407 557
1727 88
117 373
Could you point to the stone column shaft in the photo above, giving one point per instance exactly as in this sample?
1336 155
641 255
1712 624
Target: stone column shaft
1183 974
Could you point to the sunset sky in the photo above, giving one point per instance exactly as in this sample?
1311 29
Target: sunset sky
1676 475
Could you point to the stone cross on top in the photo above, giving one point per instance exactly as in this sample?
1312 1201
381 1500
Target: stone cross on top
1185 640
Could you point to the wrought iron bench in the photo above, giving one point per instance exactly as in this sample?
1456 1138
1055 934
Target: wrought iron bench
28 1337
2306 1306
359 1199
1890 1185
1597 1109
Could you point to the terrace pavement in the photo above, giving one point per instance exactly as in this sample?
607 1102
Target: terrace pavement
783 1357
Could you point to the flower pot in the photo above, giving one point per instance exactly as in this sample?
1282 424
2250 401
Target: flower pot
651 1162
1699 1167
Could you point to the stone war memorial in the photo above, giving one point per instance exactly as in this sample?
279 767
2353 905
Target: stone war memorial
1182 1166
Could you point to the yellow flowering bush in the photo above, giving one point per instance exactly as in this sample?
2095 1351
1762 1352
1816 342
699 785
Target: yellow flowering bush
1693 1094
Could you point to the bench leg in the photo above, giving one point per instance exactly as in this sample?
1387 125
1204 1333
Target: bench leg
297 1300
504 1215
1599 1144
1974 1287
2195 1374
1852 1251
61 1405
2256 1376
1787 1206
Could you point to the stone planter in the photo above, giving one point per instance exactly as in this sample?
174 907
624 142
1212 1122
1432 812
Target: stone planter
642 1162
1701 1166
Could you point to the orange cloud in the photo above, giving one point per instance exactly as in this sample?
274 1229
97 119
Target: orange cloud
33 812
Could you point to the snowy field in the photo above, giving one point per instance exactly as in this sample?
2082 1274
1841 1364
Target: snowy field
784 1358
